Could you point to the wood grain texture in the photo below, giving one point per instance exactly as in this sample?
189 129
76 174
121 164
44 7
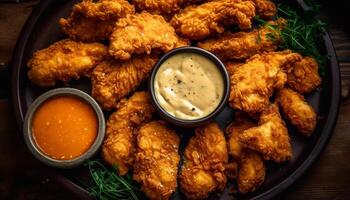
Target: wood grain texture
328 178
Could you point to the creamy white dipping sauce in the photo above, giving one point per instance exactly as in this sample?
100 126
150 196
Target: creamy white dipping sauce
188 86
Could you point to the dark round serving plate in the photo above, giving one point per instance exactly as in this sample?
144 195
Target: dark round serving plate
42 29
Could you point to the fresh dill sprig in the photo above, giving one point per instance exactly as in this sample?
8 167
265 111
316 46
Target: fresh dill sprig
301 34
109 185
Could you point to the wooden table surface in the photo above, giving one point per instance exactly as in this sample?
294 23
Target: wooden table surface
328 178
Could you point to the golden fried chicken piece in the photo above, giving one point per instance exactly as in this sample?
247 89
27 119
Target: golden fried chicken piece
94 21
141 33
242 45
303 76
270 138
200 21
252 83
231 66
234 129
251 168
205 159
157 160
266 9
297 110
64 60
166 8
113 80
251 171
118 147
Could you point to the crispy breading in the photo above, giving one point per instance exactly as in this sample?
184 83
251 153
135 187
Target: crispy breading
63 61
157 160
205 160
234 129
251 168
142 33
297 111
231 66
270 138
266 9
252 83
166 8
118 147
251 171
242 45
303 76
200 21
113 80
94 21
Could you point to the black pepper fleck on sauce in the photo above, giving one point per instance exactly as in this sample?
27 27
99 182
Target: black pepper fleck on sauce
193 109
179 81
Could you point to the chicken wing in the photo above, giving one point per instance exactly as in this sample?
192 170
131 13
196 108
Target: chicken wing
297 111
141 33
113 80
157 160
166 8
205 159
243 45
200 21
252 83
118 147
303 76
64 60
94 21
270 138
251 168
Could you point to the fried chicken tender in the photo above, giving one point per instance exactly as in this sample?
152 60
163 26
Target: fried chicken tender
303 76
118 147
231 66
205 159
141 33
251 171
199 21
242 45
266 9
234 129
94 21
270 138
157 160
113 80
166 8
297 111
252 83
251 168
64 60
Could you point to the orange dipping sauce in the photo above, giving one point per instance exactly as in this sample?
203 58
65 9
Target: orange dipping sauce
64 127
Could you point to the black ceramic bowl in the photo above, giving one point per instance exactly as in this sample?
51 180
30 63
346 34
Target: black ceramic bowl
195 122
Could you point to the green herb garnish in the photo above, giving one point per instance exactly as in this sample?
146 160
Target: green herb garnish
301 34
109 185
